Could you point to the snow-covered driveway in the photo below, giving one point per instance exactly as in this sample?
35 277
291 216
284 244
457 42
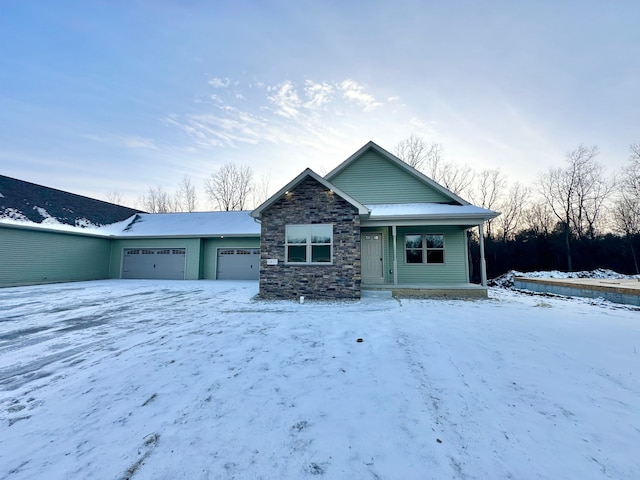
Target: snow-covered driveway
164 380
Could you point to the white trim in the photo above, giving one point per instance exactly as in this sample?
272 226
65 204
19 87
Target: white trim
483 262
257 212
394 232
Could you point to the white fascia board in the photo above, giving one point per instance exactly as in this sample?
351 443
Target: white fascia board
257 212
195 236
462 220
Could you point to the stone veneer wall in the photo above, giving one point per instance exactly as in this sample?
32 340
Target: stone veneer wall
310 203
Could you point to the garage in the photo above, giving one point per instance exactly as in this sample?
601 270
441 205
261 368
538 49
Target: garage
154 263
238 264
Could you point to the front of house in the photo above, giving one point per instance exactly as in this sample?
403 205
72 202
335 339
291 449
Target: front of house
374 222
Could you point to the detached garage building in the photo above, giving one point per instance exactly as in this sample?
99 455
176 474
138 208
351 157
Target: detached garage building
176 246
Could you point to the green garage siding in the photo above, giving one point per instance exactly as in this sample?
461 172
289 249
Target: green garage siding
37 256
455 266
373 179
192 246
210 251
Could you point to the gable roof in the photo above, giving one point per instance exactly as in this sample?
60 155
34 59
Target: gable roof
398 163
257 213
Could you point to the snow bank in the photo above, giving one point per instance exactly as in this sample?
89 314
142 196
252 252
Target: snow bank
506 280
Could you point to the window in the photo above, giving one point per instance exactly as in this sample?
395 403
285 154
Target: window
309 243
424 248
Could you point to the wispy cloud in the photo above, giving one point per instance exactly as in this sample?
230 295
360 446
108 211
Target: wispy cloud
128 141
217 82
285 97
317 94
326 118
355 92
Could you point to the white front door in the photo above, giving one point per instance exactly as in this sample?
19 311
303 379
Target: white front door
372 264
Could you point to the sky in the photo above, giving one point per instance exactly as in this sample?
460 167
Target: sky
103 96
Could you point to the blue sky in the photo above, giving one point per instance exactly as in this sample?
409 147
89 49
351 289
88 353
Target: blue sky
98 96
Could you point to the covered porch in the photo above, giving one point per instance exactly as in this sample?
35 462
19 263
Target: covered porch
421 255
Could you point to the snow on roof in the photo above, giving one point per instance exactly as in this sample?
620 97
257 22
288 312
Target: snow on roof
422 210
193 224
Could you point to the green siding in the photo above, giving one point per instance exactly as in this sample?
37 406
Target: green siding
192 245
30 256
454 269
373 178
210 251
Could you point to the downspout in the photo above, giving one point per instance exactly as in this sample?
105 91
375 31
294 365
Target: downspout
395 255
483 262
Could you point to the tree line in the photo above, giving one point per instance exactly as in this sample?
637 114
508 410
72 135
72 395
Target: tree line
571 217
231 187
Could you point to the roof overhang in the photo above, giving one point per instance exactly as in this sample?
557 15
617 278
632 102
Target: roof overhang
426 214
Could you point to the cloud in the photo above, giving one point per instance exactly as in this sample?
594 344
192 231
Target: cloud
324 117
128 141
286 99
217 82
354 92
318 94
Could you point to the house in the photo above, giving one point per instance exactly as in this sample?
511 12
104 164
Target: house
374 222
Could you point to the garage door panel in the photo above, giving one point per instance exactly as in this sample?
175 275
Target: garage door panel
238 264
154 263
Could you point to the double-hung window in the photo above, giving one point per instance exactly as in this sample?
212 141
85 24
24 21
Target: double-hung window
309 243
424 248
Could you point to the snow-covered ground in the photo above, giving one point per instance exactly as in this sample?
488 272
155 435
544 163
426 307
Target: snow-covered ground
165 380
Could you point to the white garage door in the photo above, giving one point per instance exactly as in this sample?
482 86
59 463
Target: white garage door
238 264
154 263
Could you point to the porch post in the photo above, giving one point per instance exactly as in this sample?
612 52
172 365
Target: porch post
483 262
395 256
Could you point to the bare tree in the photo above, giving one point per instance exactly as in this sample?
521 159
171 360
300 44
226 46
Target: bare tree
488 193
230 186
114 196
185 198
576 194
261 190
626 208
423 156
156 200
512 211
428 158
455 177
538 218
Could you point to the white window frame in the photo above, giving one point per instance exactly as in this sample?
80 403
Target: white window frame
425 249
307 243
